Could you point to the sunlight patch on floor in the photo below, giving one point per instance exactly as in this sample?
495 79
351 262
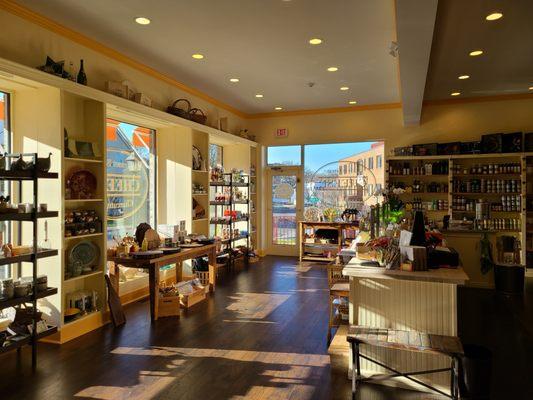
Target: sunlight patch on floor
255 305
284 374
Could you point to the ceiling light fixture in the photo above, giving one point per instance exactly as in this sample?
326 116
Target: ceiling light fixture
531 88
332 69
344 88
352 102
142 20
315 41
197 56
278 108
494 16
475 53
234 80
259 95
455 93
464 77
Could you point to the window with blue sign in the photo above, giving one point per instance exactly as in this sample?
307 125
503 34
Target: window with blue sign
131 174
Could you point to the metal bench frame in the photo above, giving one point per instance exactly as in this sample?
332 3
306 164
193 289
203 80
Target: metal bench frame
357 378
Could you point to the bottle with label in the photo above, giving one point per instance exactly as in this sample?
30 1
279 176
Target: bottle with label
82 77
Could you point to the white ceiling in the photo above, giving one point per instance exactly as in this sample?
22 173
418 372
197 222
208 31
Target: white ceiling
506 67
262 42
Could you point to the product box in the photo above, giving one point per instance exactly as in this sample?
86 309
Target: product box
142 99
512 142
471 147
426 149
447 149
492 143
403 151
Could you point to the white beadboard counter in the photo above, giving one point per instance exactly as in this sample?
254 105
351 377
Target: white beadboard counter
424 301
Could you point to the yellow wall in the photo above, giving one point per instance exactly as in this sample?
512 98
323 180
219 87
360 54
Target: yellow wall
29 44
440 123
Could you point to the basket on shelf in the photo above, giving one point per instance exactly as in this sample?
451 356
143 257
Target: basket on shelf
197 115
175 110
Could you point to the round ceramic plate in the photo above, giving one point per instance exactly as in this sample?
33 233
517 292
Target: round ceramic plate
82 184
85 252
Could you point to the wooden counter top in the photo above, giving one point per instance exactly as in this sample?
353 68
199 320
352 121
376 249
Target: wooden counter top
443 275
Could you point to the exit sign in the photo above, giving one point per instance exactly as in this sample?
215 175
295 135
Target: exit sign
282 132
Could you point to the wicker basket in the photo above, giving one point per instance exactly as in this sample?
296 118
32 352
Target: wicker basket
203 277
197 115
173 109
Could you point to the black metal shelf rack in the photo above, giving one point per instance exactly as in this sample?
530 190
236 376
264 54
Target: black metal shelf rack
229 182
32 175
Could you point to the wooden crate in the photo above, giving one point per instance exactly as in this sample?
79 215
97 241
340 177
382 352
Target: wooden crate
169 306
189 300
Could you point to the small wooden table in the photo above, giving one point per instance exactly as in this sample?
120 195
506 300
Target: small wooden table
153 265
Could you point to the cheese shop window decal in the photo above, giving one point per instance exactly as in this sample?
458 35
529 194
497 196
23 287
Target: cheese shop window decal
131 172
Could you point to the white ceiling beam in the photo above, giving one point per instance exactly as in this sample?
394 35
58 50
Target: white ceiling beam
415 21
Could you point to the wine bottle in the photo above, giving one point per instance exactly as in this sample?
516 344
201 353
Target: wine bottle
82 77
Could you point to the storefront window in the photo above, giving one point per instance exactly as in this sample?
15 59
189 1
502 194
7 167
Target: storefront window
131 173
215 155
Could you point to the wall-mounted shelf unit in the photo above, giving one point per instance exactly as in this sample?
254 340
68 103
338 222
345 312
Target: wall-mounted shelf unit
496 179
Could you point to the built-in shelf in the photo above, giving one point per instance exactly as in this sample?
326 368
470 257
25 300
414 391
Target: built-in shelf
419 176
27 340
89 235
26 216
199 219
484 194
199 171
219 203
200 194
85 160
27 299
83 276
81 318
27 257
83 200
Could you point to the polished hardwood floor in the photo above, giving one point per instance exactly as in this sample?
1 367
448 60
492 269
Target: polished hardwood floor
261 336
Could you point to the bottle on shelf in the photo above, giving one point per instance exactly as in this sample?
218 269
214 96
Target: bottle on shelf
82 76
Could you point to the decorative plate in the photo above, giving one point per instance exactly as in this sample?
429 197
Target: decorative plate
84 252
82 184
196 159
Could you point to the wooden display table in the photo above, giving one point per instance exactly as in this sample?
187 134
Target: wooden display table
340 227
422 301
153 265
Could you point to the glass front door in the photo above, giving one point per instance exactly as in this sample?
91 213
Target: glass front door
284 210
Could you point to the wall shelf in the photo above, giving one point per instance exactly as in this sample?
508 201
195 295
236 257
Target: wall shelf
89 235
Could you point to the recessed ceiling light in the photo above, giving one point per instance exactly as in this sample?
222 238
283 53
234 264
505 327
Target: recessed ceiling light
332 69
464 76
531 88
352 102
142 20
343 88
494 16
278 108
197 56
234 80
475 53
259 95
315 41
455 93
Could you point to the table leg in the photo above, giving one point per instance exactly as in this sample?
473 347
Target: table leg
153 278
179 271
212 261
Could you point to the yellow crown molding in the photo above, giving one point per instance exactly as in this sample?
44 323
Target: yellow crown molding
317 111
500 97
38 19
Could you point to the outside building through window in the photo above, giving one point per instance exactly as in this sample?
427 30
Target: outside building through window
130 178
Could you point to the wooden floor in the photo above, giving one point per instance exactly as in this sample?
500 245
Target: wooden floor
261 336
